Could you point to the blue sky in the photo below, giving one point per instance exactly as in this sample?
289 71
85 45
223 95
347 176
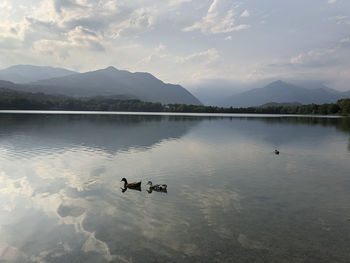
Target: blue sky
190 42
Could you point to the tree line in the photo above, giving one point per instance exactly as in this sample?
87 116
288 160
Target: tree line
38 101
341 107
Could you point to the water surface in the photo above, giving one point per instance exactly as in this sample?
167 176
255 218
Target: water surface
230 198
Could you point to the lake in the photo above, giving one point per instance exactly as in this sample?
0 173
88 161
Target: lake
229 198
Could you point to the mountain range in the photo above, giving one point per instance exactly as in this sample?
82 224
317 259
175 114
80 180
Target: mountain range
104 82
111 82
283 92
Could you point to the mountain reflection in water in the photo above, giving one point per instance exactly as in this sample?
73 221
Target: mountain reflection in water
108 133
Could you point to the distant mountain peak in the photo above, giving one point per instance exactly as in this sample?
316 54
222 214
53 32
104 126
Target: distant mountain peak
284 92
32 73
109 82
111 68
278 83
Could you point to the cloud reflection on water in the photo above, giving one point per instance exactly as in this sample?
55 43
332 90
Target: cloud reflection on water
65 202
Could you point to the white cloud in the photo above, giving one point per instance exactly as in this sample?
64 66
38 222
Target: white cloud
329 65
322 57
245 13
190 67
198 58
148 35
341 19
5 6
66 4
178 2
139 20
220 18
56 31
345 40
205 57
160 47
331 1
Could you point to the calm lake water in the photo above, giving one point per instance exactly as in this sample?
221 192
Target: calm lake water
230 198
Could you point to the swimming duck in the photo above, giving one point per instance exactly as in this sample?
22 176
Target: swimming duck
277 151
131 185
157 187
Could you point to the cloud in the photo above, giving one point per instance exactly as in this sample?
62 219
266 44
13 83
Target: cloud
39 26
331 1
338 54
178 2
86 34
5 6
220 18
245 13
9 43
313 58
341 19
205 57
179 41
206 63
57 30
139 20
63 4
81 36
160 47
198 58
329 65
345 41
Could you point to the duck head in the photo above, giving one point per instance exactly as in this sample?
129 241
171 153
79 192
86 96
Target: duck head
124 180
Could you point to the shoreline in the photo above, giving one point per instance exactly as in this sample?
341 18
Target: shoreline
189 114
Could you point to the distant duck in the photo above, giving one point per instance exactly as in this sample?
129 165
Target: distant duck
131 185
157 187
277 152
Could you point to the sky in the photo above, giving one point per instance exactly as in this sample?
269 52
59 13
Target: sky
187 42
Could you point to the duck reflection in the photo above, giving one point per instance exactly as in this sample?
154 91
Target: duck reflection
134 188
157 187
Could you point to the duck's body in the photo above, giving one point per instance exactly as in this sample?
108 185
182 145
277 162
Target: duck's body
131 185
277 151
157 187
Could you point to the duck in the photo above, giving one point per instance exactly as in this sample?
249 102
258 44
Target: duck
131 185
277 151
157 187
